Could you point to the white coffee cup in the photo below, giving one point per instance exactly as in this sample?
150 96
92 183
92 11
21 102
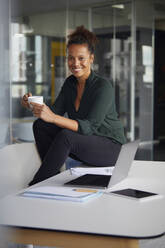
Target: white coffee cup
35 99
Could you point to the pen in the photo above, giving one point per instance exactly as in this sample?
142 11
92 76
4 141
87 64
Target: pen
86 190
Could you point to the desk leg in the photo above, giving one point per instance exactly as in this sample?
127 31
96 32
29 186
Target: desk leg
68 240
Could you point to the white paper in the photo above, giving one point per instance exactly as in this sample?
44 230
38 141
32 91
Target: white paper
92 170
61 193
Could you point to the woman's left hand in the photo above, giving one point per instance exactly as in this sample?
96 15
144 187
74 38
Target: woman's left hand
43 112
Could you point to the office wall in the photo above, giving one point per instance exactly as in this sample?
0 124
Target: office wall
144 13
4 74
49 24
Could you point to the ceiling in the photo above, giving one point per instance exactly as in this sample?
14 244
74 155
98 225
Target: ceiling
32 7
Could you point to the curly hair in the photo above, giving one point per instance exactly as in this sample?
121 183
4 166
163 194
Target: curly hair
83 36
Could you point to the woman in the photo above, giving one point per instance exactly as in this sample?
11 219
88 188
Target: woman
92 133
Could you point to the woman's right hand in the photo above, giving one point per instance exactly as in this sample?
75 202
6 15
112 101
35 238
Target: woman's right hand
24 100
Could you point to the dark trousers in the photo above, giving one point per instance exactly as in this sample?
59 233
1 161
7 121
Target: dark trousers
55 144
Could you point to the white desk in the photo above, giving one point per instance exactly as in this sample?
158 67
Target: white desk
107 215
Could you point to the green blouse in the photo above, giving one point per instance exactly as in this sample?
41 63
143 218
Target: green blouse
97 113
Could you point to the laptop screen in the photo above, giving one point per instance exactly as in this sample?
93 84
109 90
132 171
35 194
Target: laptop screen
90 180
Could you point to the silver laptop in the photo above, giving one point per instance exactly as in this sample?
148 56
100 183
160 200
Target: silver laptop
120 171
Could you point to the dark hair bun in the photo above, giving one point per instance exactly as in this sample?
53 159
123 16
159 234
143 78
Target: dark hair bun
83 36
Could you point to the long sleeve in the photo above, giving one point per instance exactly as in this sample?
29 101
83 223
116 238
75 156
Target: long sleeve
101 101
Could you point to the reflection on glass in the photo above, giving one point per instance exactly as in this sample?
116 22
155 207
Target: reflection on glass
18 53
38 59
112 25
38 62
147 63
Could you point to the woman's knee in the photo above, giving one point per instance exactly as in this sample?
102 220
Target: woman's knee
40 124
42 127
37 124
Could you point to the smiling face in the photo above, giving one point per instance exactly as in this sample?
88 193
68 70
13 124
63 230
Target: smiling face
80 60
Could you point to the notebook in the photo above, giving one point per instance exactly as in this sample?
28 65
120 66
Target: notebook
120 172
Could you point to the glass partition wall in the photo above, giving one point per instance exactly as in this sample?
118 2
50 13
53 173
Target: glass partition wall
38 51
144 82
112 25
124 55
4 75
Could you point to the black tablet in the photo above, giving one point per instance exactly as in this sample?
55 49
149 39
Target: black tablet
135 194
90 181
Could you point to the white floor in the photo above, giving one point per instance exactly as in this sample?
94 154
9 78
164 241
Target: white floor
153 243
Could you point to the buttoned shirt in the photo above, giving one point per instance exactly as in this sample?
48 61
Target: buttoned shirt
97 112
